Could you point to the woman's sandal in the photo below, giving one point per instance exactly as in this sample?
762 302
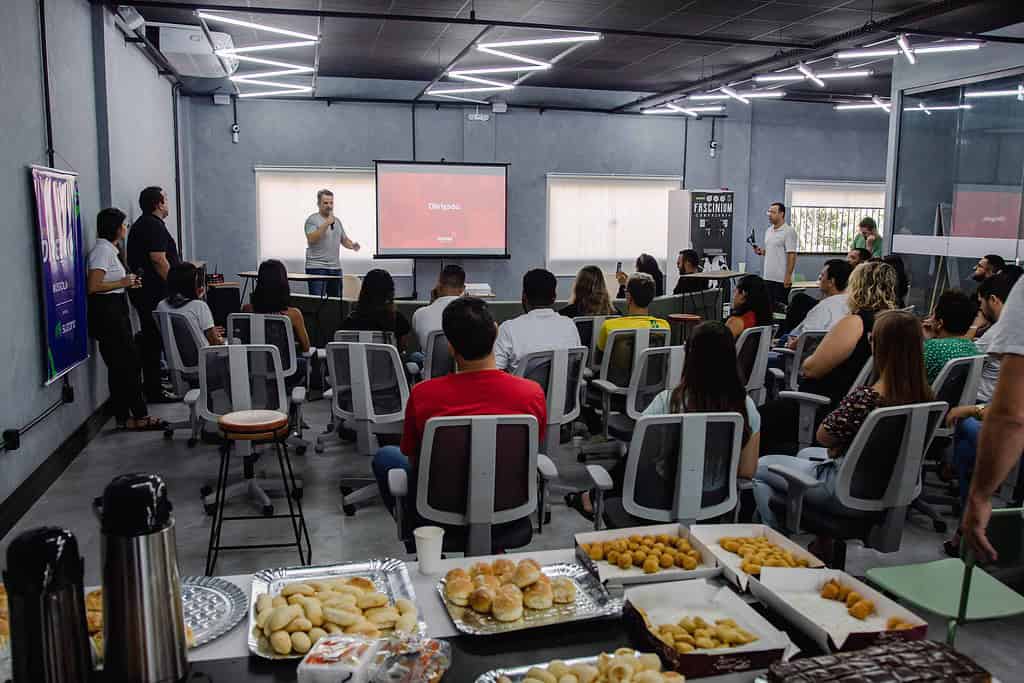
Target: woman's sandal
574 500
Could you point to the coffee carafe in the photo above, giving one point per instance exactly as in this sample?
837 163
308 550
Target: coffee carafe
143 624
43 579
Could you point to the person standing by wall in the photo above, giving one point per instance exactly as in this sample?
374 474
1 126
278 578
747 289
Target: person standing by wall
152 252
325 235
868 237
779 251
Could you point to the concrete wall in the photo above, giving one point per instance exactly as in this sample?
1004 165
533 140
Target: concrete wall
75 47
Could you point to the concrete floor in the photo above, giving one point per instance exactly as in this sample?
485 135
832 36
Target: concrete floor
371 532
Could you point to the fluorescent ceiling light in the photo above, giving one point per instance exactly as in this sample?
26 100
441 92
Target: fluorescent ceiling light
272 74
770 78
802 68
482 81
735 95
748 95
928 109
271 84
257 48
267 93
583 37
204 14
880 103
904 44
823 75
709 96
460 99
500 69
849 73
694 111
270 62
514 57
947 47
851 107
1018 93
857 54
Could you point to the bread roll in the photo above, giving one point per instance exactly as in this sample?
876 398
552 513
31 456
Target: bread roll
281 642
563 590
368 600
342 600
293 588
457 590
507 604
363 628
341 617
382 617
407 622
301 642
481 598
298 624
527 573
457 573
486 581
362 583
282 616
404 606
316 634
538 595
278 601
503 566
481 568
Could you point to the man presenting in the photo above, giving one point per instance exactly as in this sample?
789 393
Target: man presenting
325 235
153 252
779 252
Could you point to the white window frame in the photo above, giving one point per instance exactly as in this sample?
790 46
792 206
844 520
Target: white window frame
607 265
839 185
397 267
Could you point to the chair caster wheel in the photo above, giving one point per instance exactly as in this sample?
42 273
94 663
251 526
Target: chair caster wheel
209 508
301 450
168 434
267 510
939 526
192 441
205 491
349 510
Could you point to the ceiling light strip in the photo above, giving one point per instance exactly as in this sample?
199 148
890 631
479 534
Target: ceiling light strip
499 69
272 74
270 62
583 37
904 44
1018 93
210 16
257 48
510 55
266 93
806 71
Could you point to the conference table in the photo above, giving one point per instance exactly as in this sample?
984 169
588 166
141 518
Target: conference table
251 275
722 277
228 657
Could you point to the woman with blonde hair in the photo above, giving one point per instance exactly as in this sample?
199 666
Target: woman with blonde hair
897 343
833 366
589 295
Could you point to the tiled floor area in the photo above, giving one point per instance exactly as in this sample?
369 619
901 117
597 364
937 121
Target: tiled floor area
371 532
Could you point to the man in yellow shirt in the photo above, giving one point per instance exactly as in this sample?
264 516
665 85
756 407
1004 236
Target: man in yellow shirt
640 290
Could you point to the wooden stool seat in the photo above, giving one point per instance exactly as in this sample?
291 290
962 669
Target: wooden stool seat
684 318
254 425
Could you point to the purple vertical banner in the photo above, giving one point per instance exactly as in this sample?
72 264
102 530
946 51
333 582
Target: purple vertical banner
62 265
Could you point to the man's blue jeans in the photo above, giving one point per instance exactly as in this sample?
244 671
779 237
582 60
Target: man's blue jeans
389 458
332 287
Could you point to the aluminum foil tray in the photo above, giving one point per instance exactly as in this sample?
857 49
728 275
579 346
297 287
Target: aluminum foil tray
212 606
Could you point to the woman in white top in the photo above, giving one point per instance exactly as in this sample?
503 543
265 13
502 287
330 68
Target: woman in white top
185 289
110 325
710 383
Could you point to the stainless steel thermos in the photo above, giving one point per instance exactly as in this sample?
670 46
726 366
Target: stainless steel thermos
143 625
49 640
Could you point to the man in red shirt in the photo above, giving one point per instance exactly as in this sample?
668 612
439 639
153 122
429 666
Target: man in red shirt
478 388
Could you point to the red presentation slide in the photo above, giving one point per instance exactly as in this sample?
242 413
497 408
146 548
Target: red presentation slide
438 209
986 211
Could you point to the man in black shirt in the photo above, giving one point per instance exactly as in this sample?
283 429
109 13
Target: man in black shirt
152 252
689 262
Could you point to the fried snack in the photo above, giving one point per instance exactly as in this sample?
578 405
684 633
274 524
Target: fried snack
852 598
623 666
856 605
862 609
897 624
690 634
830 591
650 554
758 552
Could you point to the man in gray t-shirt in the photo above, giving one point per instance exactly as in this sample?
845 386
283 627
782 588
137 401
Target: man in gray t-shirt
325 236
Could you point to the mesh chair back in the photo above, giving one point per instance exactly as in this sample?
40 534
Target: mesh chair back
559 372
478 470
262 328
957 382
240 377
365 336
752 349
683 467
881 468
182 340
658 369
223 301
438 360
368 382
588 326
806 344
622 351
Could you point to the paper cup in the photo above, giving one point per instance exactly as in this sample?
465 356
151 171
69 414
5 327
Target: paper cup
743 266
428 548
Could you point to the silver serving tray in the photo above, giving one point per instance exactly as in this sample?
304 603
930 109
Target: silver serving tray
389 576
592 601
212 606
517 674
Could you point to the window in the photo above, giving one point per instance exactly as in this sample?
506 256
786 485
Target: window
287 196
600 220
825 214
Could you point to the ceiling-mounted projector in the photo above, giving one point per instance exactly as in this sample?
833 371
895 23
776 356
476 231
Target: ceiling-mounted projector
189 52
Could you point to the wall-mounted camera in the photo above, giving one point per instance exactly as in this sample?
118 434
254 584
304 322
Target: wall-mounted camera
713 148
234 133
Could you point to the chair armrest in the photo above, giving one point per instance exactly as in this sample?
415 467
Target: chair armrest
191 397
797 484
777 373
413 369
398 482
805 397
607 387
328 394
313 351
588 374
546 467
600 477
783 351
321 354
298 395
815 453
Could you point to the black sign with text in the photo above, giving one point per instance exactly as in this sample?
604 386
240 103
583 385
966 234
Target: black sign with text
711 221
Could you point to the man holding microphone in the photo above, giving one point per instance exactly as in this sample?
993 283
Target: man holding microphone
325 235
779 252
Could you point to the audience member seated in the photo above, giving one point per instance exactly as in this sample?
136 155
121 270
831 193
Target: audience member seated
375 309
981 324
987 266
478 388
640 289
272 295
858 256
185 289
946 332
992 296
897 343
751 305
589 295
688 262
539 329
833 366
451 284
868 237
645 263
834 304
710 383
902 282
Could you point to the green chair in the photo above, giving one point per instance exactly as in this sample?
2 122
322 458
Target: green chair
932 586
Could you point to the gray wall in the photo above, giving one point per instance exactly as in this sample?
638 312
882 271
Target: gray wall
76 45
